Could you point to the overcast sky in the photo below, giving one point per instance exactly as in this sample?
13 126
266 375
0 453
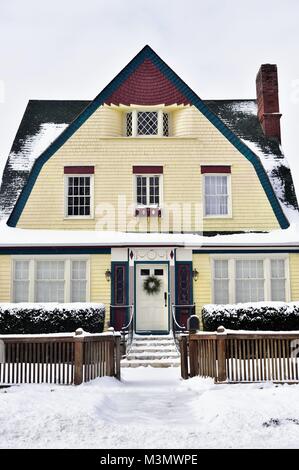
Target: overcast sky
70 49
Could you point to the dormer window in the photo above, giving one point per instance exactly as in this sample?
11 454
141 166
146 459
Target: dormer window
147 123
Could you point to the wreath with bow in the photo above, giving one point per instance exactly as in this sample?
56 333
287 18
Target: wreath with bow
152 285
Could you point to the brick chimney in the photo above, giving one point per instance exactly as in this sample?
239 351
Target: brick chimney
267 101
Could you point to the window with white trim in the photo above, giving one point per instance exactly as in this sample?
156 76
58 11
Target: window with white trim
148 190
249 280
78 281
79 196
50 280
147 123
278 280
216 195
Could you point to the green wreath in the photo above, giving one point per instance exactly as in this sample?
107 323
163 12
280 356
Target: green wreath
152 285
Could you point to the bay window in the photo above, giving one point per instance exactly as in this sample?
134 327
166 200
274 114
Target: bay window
255 279
41 279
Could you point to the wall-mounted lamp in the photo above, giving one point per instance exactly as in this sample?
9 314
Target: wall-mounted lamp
195 274
108 275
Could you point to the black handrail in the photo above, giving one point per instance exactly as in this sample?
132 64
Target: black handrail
127 331
178 329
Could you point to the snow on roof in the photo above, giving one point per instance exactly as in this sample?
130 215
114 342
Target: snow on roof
12 236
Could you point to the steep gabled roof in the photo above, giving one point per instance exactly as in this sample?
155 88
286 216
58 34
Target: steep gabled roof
173 85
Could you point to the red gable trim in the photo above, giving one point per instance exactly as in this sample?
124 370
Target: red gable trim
215 169
147 85
79 170
144 170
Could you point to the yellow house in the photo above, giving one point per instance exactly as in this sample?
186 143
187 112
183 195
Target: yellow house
150 200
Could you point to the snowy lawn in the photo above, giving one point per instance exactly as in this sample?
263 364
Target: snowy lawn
150 408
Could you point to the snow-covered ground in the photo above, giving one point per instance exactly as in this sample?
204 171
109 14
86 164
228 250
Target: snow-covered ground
150 408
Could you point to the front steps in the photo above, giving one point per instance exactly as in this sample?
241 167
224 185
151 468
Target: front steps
154 351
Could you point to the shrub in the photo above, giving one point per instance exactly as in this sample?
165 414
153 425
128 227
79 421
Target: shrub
252 316
31 318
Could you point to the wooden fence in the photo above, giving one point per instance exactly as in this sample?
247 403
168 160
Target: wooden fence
59 359
238 356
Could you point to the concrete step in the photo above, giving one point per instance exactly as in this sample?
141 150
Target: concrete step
151 363
149 349
152 356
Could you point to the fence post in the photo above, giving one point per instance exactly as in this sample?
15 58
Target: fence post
221 354
117 356
78 357
183 341
193 357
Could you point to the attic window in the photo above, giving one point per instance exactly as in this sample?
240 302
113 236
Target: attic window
146 123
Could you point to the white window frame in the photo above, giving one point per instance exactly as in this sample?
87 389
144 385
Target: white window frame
267 273
66 186
67 273
229 215
160 113
148 175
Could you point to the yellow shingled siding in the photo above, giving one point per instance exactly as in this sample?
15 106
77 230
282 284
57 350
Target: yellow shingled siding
194 141
5 278
99 287
294 276
202 288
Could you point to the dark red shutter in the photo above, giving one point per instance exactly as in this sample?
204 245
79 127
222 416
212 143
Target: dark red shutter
119 296
184 292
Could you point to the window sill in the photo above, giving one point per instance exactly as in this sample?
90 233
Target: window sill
208 217
78 217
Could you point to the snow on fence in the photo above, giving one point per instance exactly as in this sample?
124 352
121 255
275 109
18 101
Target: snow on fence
241 356
59 358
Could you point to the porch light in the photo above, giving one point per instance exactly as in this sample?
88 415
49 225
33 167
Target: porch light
108 275
195 274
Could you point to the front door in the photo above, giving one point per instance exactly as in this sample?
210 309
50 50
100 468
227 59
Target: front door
152 308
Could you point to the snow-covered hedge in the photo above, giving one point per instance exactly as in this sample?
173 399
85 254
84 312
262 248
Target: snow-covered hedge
32 318
252 316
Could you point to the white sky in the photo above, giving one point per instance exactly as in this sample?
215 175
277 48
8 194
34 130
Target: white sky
70 49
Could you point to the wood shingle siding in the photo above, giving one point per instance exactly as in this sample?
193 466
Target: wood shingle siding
113 159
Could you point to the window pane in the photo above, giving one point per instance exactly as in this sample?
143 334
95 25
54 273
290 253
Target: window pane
278 280
221 282
216 195
141 190
78 281
165 125
249 280
49 281
78 186
21 281
147 123
129 124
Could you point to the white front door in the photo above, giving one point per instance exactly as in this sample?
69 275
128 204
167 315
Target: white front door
151 309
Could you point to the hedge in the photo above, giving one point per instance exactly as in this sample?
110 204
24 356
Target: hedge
32 318
252 316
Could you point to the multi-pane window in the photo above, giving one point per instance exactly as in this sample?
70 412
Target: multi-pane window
250 281
79 196
21 281
278 280
148 190
147 123
216 195
50 280
221 282
78 281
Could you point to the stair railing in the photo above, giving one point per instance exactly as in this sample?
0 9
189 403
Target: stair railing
178 329
127 331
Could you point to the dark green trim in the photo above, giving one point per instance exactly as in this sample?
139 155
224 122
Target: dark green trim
155 332
52 250
148 53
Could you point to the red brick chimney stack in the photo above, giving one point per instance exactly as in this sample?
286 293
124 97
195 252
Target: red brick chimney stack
267 100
